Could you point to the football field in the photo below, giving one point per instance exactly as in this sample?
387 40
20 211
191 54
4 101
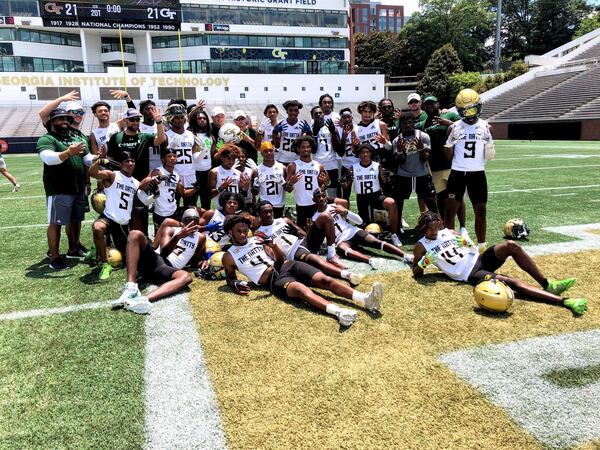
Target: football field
209 369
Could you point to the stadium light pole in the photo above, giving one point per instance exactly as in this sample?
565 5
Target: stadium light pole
497 47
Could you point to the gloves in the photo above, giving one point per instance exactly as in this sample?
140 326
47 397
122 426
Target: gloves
428 259
239 287
305 127
330 126
462 241
279 127
215 226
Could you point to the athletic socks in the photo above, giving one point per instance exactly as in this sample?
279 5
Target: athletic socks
330 251
359 297
345 275
332 309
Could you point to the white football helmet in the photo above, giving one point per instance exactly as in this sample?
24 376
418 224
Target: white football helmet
230 133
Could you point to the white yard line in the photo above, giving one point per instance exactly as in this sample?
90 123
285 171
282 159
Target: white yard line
563 195
582 186
16 197
525 169
52 311
35 225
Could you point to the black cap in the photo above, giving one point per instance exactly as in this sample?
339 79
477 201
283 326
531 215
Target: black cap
60 112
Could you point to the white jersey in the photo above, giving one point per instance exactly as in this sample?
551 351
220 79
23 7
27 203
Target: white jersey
456 262
223 174
251 259
325 153
333 116
368 133
280 232
267 130
344 230
219 236
119 198
270 182
184 251
248 172
205 163
308 183
155 161
287 136
103 134
366 179
469 143
165 205
183 144
349 158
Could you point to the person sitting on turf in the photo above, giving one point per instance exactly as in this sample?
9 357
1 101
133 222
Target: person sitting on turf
176 248
329 223
460 260
120 189
263 262
291 240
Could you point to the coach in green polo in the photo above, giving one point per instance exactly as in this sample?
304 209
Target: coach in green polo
62 151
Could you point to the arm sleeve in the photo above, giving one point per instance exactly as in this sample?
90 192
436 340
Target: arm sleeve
354 218
50 157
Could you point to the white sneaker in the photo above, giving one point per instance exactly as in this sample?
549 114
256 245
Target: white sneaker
355 278
129 291
404 224
138 305
376 263
347 317
408 259
16 187
373 301
396 242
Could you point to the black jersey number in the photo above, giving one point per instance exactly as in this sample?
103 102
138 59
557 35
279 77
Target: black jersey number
366 187
470 148
259 260
172 195
178 250
272 187
451 256
124 203
286 144
184 155
308 183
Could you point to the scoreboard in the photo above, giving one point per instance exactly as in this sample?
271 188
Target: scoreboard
156 15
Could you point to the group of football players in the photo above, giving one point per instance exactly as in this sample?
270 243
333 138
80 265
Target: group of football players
143 166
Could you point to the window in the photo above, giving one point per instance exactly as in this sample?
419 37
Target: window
51 93
167 93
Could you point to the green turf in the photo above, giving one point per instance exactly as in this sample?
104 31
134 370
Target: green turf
574 378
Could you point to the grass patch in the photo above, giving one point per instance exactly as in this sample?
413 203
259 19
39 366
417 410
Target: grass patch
574 378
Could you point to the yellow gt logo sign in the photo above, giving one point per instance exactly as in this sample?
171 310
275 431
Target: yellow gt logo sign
279 53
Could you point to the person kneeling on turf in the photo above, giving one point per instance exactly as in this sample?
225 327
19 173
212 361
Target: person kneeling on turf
263 262
460 260
178 246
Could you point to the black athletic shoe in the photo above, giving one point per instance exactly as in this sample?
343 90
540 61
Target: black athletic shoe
58 263
79 253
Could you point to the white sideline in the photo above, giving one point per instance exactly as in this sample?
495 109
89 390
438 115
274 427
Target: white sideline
52 311
527 169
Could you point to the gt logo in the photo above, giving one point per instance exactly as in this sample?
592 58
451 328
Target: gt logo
53 8
166 12
279 53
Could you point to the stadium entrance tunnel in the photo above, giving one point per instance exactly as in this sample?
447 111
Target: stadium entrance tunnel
562 131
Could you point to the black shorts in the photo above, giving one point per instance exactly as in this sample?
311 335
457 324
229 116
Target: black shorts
302 252
278 212
118 233
486 266
293 271
359 238
158 220
366 203
475 183
334 178
402 187
139 208
304 213
154 268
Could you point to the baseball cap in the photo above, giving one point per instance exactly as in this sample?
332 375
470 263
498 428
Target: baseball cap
73 106
430 98
60 112
239 113
217 110
414 96
131 113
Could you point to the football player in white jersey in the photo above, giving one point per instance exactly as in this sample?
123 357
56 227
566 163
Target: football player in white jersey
287 131
148 125
291 240
368 177
226 177
372 130
263 262
331 222
247 167
345 147
268 179
304 177
469 146
199 124
460 260
229 203
265 129
164 266
120 189
324 133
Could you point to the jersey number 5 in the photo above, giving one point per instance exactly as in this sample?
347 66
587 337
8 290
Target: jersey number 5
124 203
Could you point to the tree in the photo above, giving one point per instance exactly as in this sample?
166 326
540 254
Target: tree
437 81
463 80
382 50
466 24
588 24
516 28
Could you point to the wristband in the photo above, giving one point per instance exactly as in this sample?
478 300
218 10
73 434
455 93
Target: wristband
159 122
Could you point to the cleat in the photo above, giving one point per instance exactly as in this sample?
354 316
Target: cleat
105 271
355 278
557 287
347 317
138 305
91 253
59 263
79 253
130 291
396 242
373 301
578 305
408 259
16 187
337 262
376 263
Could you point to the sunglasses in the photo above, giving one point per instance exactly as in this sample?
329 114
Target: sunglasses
134 119
412 102
77 112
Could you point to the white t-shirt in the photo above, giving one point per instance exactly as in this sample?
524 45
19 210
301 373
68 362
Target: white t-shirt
279 232
183 144
165 205
456 262
270 182
368 133
103 134
325 154
469 144
251 259
308 183
344 230
220 237
184 251
366 179
223 174
119 198
287 136
205 163
349 158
